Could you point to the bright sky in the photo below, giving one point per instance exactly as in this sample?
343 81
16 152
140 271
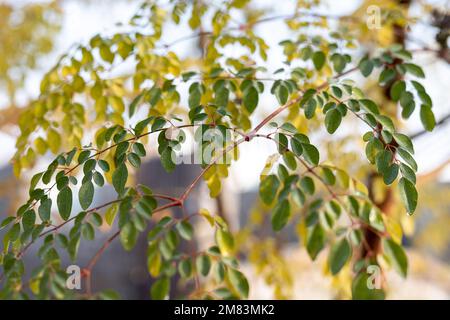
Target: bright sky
83 20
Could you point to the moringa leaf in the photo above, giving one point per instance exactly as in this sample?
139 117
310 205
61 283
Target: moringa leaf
339 255
397 256
86 194
268 188
333 119
281 214
64 202
120 177
408 194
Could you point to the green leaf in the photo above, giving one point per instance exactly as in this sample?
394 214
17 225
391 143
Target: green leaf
145 206
281 214
185 268
307 184
339 255
219 271
6 222
333 119
289 127
86 194
369 106
408 158
128 236
386 122
251 98
408 194
134 160
408 173
71 154
139 149
386 76
414 69
203 264
390 174
339 62
335 208
289 160
315 241
221 96
407 103
268 188
282 94
423 95
387 136
166 160
296 146
311 154
97 219
282 142
83 156
185 230
160 289
14 232
122 149
337 92
298 196
397 89
88 231
154 95
158 123
64 202
104 165
426 99
45 209
383 160
28 220
310 108
418 86
225 241
35 180
328 176
141 125
73 246
396 256
404 141
427 117
318 59
195 95
133 105
239 282
366 67
120 177
98 179
356 237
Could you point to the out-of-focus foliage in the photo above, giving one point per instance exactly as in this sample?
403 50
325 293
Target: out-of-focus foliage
434 233
26 34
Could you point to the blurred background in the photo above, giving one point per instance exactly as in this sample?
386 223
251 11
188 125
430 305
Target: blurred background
34 34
